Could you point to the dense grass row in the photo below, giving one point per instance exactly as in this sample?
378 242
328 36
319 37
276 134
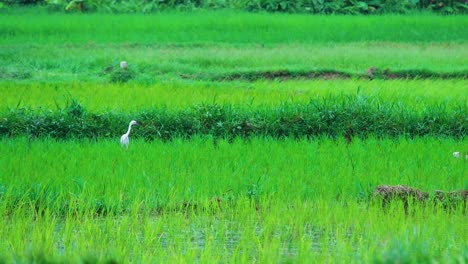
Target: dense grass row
177 94
259 200
226 27
359 116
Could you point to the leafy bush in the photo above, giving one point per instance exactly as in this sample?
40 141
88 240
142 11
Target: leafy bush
289 6
122 75
23 2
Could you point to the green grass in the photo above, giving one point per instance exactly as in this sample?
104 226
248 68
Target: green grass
263 200
177 94
352 116
225 27
59 63
286 169
302 232
237 181
214 45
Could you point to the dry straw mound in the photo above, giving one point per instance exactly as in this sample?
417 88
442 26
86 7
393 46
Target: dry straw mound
445 199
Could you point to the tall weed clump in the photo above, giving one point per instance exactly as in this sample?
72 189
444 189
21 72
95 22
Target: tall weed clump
356 116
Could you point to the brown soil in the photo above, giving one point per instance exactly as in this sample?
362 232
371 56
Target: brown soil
284 75
370 73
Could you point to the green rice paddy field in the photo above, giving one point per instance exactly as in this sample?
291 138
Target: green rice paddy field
293 197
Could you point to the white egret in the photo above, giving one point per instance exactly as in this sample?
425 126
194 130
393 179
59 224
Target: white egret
457 155
123 65
124 140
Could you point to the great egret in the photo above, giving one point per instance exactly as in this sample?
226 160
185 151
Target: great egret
123 65
457 155
124 140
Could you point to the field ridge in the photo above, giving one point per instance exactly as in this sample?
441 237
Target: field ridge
357 116
371 73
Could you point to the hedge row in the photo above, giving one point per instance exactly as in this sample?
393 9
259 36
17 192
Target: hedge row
289 6
350 117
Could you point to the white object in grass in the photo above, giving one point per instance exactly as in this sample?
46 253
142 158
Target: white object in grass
456 154
124 140
123 65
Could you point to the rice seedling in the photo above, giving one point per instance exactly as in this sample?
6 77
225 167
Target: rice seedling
259 200
229 165
225 27
179 94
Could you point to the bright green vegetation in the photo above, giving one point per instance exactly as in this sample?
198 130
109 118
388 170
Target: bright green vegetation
349 116
226 27
179 94
155 63
198 170
264 199
261 137
219 45
286 6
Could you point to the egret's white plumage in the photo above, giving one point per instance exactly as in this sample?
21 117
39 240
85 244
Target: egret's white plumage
124 140
123 65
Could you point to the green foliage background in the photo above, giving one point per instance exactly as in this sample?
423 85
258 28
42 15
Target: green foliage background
288 6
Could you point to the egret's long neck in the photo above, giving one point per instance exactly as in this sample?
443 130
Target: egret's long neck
129 128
